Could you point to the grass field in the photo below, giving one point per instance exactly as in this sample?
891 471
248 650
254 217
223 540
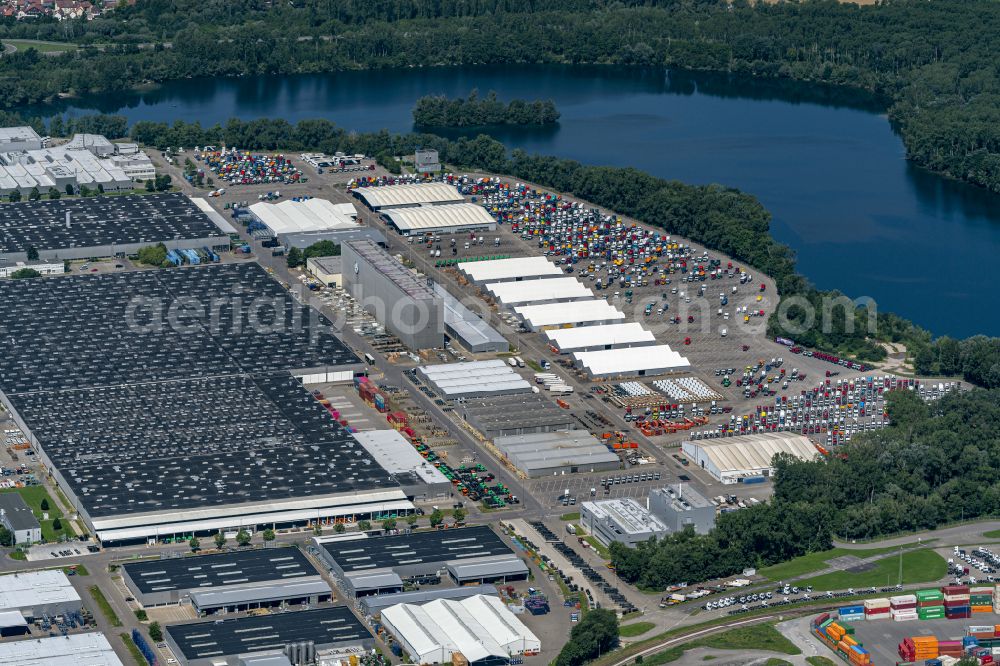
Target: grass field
635 629
570 516
821 661
758 637
992 534
818 561
919 566
106 609
133 649
33 496
40 46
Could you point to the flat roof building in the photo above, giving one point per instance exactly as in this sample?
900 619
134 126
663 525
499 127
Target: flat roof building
39 593
398 299
309 216
556 453
733 459
524 413
307 632
328 270
372 605
577 313
623 520
89 649
19 138
480 628
426 161
595 338
681 506
174 580
643 361
551 290
90 227
450 219
473 379
17 517
69 165
509 270
394 453
467 328
389 197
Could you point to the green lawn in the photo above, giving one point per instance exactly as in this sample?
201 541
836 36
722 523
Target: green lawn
599 547
821 661
106 609
41 47
992 534
133 649
570 516
757 637
818 561
635 629
33 496
919 566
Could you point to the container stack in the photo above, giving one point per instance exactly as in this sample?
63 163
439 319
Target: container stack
957 602
950 649
996 599
930 605
877 609
981 599
903 607
918 648
851 613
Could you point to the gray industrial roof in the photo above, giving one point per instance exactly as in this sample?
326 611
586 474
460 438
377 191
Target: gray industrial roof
474 378
230 596
386 264
505 412
16 512
544 450
373 604
363 580
488 567
472 331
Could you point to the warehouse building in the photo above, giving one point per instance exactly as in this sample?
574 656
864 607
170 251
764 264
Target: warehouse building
519 414
556 453
89 649
578 313
14 139
481 629
258 578
681 506
464 326
473 379
747 456
71 167
304 239
418 478
364 564
408 195
531 292
372 605
596 338
317 219
35 594
222 223
426 161
17 517
509 270
104 227
394 295
328 270
623 520
132 420
450 219
299 635
8 268
643 361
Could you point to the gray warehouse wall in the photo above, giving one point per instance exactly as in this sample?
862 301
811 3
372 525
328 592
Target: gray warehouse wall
419 324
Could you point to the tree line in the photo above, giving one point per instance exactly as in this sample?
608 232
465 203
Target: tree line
937 463
933 61
473 111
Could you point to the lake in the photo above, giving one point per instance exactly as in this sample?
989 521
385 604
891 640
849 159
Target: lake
825 162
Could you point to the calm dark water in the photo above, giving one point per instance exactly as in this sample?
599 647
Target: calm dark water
825 163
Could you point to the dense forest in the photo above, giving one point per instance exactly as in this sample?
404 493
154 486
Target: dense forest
937 463
934 60
473 111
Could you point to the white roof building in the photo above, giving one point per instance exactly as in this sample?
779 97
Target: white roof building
623 520
90 649
446 219
552 290
409 194
481 628
735 458
473 379
513 269
58 167
289 217
30 590
19 138
577 313
631 361
590 338
395 453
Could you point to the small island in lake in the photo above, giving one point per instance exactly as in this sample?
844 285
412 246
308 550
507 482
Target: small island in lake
473 111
